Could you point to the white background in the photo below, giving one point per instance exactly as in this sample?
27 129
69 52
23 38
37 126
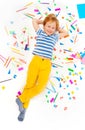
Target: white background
39 115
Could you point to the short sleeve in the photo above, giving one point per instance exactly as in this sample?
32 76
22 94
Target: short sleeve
38 31
57 36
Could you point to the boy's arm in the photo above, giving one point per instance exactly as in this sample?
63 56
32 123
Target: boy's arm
36 23
63 33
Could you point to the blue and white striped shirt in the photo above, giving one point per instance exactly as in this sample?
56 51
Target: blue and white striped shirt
45 44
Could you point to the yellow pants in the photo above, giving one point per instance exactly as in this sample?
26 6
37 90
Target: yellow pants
37 77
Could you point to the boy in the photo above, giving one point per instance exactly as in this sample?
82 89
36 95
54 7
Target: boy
40 66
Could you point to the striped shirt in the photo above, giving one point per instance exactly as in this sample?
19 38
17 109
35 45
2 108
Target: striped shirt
45 44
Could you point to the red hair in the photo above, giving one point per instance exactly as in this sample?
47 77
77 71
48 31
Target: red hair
52 18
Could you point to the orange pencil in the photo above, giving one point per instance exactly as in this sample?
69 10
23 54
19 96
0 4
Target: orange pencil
70 58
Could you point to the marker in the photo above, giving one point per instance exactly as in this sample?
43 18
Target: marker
71 81
52 100
21 68
73 27
70 69
57 9
36 10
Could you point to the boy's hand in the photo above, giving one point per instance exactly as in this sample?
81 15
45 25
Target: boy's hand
63 33
36 23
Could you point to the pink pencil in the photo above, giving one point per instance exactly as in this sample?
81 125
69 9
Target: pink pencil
21 9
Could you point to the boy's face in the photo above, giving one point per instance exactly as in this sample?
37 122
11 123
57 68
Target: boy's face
50 28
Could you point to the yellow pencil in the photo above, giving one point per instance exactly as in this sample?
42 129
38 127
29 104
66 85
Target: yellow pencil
17 51
28 14
28 4
6 30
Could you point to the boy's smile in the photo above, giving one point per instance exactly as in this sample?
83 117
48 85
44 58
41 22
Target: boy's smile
50 28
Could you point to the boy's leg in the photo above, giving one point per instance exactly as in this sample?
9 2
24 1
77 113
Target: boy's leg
20 104
22 115
43 76
30 82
